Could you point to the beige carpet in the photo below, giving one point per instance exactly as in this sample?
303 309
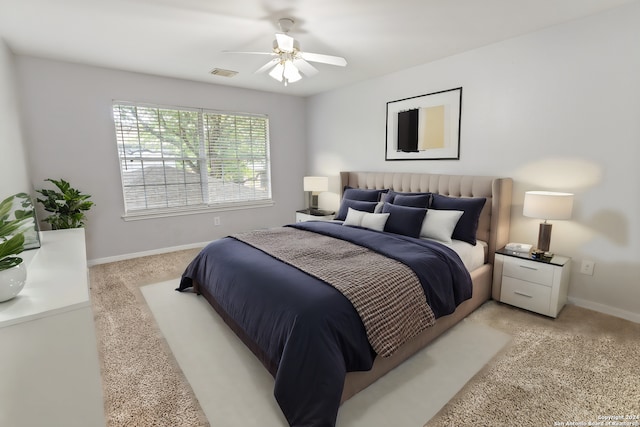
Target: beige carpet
576 368
142 383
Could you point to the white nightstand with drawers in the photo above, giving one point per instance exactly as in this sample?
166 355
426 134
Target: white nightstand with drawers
538 285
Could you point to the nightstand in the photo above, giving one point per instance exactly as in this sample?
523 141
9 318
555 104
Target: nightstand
314 215
538 285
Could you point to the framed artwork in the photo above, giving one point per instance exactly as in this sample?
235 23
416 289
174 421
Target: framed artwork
425 127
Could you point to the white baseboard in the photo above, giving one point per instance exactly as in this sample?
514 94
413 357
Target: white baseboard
606 309
124 257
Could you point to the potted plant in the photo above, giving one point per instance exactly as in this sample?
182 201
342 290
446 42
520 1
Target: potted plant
67 206
13 224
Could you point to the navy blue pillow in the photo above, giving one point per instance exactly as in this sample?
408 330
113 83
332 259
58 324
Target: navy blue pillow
413 200
404 220
467 226
358 205
364 195
391 195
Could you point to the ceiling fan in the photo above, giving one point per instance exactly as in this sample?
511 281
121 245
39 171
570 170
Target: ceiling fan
289 61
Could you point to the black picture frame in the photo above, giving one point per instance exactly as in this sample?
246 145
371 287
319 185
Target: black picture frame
425 127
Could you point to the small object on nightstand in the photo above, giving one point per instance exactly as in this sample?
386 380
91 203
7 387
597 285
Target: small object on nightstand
537 254
520 249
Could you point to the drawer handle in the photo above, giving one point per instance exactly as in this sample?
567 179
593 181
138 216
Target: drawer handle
522 294
529 268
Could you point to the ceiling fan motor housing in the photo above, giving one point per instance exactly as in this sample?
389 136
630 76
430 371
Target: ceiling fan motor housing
286 24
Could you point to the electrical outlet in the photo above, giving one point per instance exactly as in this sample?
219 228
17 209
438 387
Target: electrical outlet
216 220
587 267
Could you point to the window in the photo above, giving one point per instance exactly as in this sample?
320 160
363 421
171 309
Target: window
183 159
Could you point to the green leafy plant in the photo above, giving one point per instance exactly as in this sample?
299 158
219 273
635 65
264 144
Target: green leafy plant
67 206
12 228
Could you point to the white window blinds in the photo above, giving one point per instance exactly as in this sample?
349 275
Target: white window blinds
177 158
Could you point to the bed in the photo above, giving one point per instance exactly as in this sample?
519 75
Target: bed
288 294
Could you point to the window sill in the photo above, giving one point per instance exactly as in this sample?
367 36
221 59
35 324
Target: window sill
165 213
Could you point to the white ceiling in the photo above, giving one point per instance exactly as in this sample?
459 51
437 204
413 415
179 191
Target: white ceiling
186 38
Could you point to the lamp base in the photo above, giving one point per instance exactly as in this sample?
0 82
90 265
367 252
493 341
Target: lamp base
544 237
313 200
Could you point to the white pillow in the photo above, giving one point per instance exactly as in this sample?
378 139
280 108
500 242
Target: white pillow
439 224
374 221
366 219
354 217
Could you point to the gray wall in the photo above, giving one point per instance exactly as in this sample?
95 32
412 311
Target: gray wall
14 177
66 110
555 110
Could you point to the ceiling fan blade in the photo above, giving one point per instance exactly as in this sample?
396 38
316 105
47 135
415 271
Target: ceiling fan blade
306 68
268 65
324 59
285 42
251 53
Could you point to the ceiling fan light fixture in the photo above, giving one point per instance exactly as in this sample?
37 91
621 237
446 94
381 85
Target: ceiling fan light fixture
277 72
291 72
285 72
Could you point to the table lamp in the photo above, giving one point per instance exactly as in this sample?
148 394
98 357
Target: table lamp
546 205
314 185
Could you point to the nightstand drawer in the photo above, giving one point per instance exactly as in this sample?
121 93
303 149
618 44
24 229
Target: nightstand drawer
529 271
529 296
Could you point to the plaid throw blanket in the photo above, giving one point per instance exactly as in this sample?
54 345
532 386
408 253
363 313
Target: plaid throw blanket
386 294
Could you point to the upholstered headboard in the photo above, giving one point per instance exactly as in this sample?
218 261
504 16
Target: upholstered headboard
495 218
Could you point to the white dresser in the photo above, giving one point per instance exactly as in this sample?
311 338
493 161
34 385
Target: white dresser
49 368
540 286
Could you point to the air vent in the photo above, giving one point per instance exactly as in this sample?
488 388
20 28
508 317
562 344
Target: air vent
223 73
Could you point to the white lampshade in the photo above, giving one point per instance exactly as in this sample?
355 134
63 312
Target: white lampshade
316 183
547 205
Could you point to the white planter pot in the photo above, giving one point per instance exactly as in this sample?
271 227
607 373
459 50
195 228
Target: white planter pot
12 281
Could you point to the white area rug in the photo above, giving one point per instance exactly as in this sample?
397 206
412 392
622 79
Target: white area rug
235 390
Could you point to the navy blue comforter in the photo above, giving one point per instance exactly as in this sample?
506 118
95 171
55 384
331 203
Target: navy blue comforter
304 330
